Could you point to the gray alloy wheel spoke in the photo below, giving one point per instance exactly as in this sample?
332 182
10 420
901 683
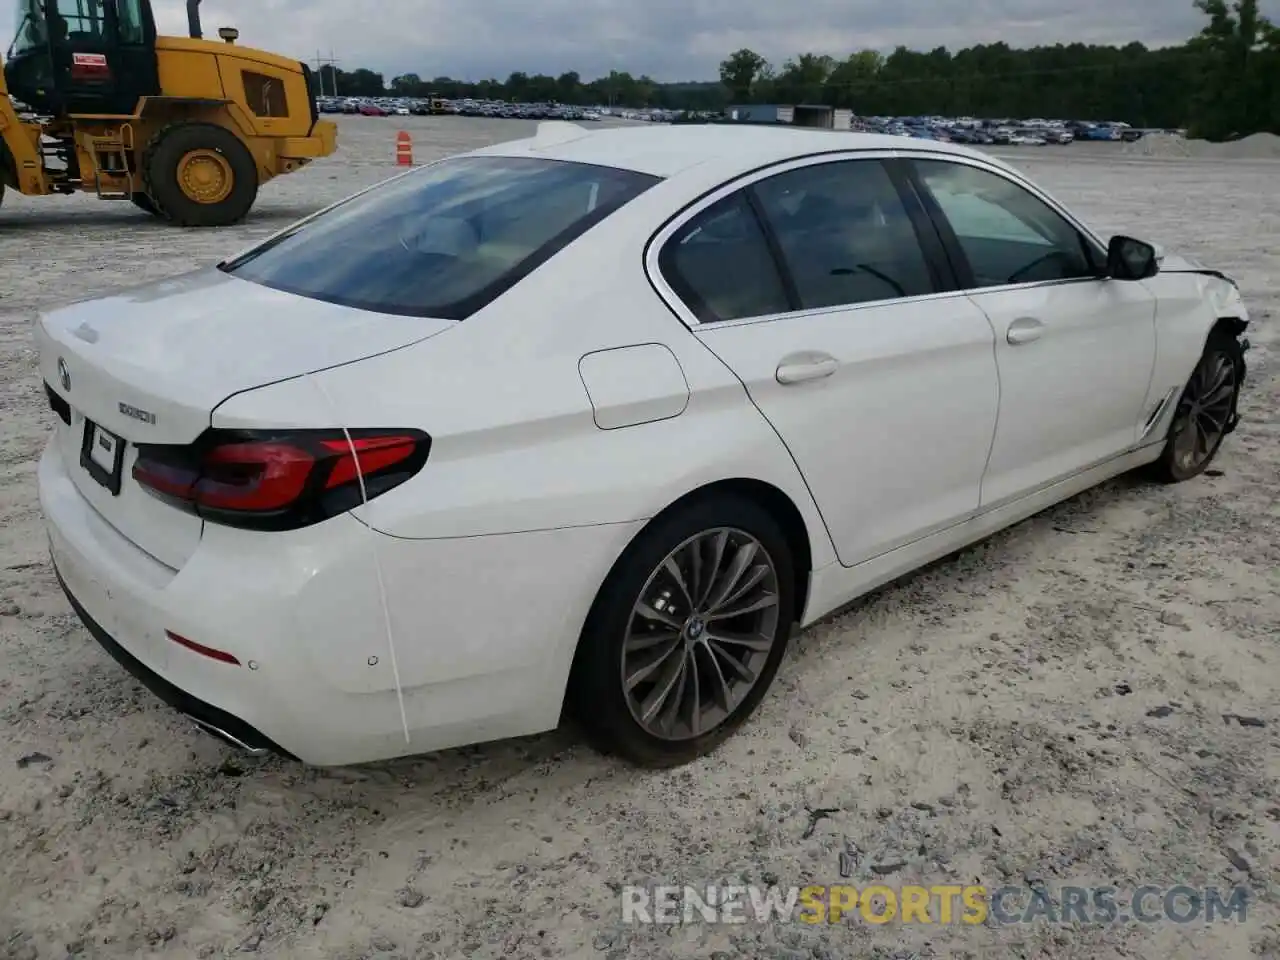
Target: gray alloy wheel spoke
700 634
737 567
745 583
673 569
718 544
733 640
1220 399
759 603
1200 381
1221 374
665 683
1222 391
696 586
1184 442
1196 441
720 692
646 641
650 612
736 666
673 709
693 694
1210 425
1203 412
653 663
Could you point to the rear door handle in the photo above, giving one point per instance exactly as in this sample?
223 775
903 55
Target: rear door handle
802 367
1024 330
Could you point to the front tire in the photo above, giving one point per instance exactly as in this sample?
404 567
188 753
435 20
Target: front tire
1206 412
146 204
200 175
686 634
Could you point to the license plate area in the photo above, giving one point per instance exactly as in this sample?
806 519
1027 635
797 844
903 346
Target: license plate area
102 455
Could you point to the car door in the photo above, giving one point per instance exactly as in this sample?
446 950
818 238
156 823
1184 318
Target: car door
1075 350
815 285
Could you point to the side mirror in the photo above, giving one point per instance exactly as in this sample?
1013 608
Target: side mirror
1130 259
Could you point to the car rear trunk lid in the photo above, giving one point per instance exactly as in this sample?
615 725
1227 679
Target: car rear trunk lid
149 365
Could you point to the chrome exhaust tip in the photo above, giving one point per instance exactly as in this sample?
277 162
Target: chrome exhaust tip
228 738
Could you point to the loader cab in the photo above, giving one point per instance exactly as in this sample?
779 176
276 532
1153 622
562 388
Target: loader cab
83 56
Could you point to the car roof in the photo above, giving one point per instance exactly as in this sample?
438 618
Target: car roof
664 150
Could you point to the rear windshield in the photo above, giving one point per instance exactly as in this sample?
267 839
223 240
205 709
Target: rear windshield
445 240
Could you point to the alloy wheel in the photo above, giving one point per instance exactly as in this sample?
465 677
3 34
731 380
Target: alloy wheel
1204 412
700 634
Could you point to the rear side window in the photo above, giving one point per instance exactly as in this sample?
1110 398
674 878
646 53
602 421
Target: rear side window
845 234
443 241
720 265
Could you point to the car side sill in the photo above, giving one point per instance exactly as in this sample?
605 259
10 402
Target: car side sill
834 586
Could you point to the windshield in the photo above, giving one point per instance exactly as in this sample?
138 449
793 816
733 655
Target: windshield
443 241
29 28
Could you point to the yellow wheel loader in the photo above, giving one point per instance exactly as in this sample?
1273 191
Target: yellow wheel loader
185 128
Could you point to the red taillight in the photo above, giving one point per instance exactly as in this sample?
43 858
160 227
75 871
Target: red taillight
280 480
253 476
375 453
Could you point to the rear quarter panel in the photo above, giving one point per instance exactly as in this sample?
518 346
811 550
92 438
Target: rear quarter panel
516 446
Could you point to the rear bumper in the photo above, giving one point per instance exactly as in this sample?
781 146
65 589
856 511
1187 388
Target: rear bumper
484 627
218 722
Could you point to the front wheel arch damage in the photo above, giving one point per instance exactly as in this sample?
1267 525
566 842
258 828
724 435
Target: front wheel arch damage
1231 328
1230 325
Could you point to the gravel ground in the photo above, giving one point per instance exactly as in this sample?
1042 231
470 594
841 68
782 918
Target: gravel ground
1044 708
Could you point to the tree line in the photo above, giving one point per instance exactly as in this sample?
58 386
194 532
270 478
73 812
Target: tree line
1223 82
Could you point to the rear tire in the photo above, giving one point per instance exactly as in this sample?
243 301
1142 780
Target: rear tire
1206 412
200 175
712 637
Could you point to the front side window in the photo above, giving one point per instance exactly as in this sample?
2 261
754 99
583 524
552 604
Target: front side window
720 265
445 240
845 234
1007 234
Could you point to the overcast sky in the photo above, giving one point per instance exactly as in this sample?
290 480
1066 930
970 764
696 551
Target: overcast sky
667 39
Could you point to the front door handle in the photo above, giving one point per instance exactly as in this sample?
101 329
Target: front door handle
1024 330
802 367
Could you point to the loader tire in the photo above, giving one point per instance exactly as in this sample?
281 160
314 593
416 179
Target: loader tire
144 202
200 175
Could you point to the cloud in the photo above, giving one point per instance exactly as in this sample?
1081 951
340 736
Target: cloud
667 39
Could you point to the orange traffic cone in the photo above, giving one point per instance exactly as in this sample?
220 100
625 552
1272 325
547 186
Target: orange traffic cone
404 149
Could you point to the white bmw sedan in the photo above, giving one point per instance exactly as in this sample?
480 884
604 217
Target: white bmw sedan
596 419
